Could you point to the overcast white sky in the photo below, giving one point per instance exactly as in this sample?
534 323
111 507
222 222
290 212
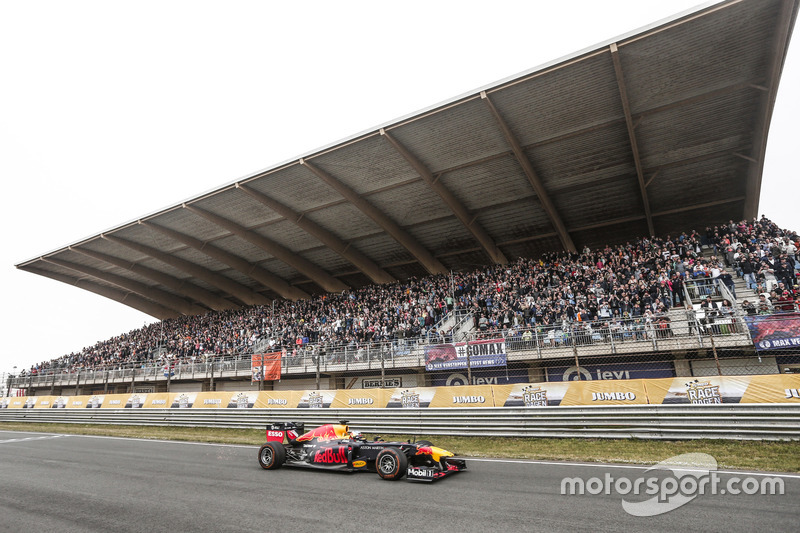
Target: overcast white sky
113 110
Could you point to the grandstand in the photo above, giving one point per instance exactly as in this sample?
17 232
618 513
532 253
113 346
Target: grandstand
429 230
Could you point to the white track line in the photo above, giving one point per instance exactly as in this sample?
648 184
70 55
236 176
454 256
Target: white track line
471 459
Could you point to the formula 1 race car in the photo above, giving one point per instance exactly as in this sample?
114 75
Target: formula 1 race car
335 447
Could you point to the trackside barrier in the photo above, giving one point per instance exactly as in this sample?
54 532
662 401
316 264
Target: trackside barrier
767 389
751 421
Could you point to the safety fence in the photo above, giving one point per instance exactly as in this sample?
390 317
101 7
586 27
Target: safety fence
679 343
767 389
750 421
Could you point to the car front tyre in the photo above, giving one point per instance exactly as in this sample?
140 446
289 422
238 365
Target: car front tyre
391 464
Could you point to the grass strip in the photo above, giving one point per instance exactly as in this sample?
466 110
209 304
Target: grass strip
769 456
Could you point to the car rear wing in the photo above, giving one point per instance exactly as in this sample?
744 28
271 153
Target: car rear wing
284 432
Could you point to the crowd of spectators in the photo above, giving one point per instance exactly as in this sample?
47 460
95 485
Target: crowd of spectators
765 256
640 281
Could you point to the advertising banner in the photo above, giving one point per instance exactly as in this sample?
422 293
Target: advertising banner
158 400
464 396
316 399
114 401
242 400
212 400
270 363
43 402
606 392
611 371
278 399
79 402
487 376
135 401
530 394
774 332
781 388
478 354
19 402
363 398
411 398
709 390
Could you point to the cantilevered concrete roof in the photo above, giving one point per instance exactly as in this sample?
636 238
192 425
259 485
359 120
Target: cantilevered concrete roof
655 132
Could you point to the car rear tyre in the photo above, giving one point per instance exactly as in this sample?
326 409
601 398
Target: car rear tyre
271 455
391 464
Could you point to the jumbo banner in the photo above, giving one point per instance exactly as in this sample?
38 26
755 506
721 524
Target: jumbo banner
781 388
114 401
278 399
212 400
616 392
774 332
266 367
473 354
463 396
369 398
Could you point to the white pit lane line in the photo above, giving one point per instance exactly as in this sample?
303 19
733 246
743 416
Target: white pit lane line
26 439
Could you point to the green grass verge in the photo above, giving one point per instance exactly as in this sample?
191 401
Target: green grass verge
730 454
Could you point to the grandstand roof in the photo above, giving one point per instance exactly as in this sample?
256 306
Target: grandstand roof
654 132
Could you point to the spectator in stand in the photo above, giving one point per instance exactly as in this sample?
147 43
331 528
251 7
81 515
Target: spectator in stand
764 305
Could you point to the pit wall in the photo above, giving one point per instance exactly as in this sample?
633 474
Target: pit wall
778 388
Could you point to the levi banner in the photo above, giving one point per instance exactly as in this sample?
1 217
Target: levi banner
473 354
270 363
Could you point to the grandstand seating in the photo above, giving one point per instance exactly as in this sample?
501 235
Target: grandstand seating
642 291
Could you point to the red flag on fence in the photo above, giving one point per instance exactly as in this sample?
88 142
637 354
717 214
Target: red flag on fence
271 365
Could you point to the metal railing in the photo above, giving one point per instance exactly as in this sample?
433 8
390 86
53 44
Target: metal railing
753 421
678 330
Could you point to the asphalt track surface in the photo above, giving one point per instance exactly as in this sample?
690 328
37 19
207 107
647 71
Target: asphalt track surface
51 482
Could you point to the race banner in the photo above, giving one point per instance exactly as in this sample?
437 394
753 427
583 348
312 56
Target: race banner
266 367
183 400
473 354
530 394
242 400
709 390
411 398
774 332
316 399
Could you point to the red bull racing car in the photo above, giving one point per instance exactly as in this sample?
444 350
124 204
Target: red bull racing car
335 447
